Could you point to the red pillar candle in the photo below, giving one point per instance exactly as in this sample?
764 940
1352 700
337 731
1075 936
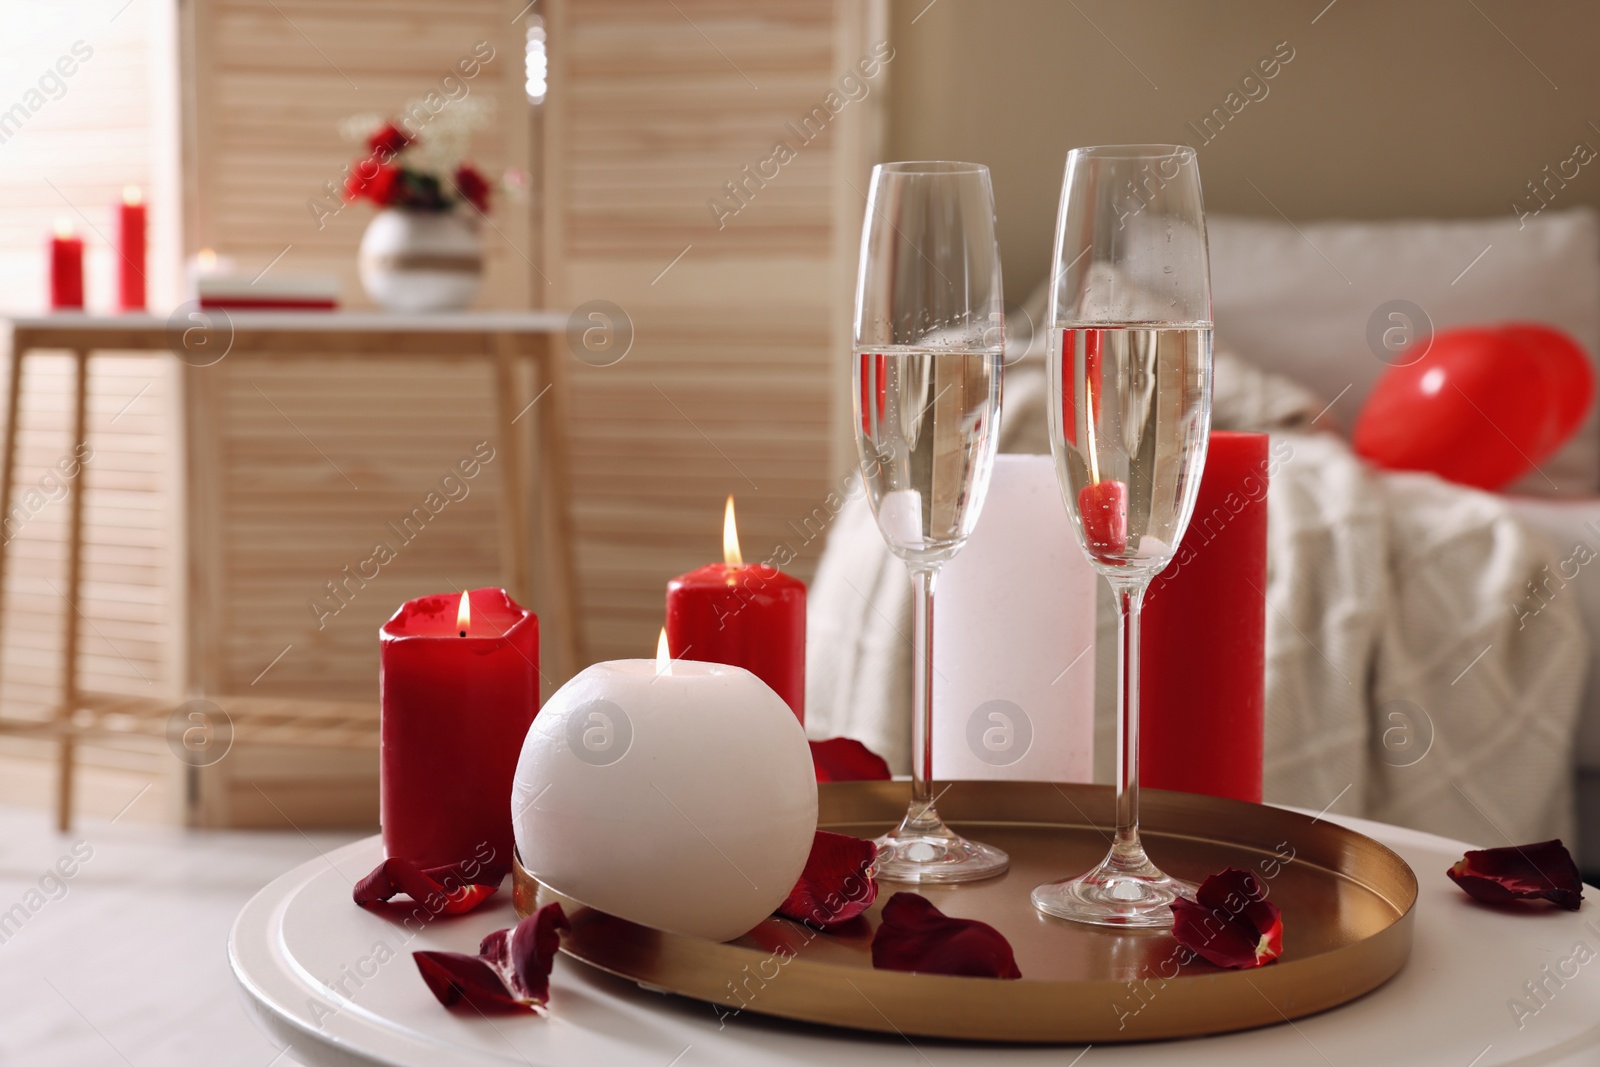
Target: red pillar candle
1202 680
749 615
131 250
66 269
459 686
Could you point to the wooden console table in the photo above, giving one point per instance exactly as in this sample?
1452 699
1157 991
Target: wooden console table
508 340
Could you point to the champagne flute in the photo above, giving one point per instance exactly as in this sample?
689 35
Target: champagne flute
929 340
1129 412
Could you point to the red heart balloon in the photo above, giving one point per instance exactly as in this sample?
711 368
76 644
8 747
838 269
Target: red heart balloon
1482 406
1571 374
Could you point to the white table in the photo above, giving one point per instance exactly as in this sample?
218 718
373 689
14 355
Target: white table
301 936
200 338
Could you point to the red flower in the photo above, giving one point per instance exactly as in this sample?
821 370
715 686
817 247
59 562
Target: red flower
1521 872
916 936
844 759
836 885
510 973
448 890
376 183
387 141
473 187
1230 923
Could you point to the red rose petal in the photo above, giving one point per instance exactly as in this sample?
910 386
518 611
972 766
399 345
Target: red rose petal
451 889
844 759
457 978
916 936
836 885
1230 923
1544 870
1104 508
468 897
533 944
511 971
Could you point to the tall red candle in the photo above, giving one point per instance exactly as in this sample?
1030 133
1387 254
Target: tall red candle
749 615
66 269
459 690
131 250
1202 678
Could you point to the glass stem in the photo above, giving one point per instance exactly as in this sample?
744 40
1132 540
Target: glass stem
1126 849
922 814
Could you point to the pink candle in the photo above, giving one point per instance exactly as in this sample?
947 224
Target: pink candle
131 250
458 681
66 268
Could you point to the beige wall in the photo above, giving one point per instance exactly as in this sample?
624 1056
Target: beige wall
1422 108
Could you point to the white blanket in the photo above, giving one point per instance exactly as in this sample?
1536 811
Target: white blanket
1412 674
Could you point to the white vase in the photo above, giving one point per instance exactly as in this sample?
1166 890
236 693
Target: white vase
421 260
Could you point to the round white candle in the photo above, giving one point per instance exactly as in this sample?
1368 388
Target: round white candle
681 798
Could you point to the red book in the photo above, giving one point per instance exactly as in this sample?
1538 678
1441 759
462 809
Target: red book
749 615
1203 639
458 692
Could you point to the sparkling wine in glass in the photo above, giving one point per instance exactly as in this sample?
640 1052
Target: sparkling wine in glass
929 341
1129 413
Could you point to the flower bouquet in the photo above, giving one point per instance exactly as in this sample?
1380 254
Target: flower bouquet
422 251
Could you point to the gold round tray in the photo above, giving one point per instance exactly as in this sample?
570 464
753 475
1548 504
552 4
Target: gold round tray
1347 915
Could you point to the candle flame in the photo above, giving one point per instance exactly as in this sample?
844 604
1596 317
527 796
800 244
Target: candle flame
132 195
663 657
464 615
730 537
63 227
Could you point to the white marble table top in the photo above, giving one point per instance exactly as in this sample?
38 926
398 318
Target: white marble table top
125 963
330 980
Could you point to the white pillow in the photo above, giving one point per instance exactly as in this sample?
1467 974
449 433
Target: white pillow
1300 301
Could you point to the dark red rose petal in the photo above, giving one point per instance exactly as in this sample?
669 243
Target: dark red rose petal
468 897
837 883
1230 923
1521 872
844 759
451 889
511 971
533 945
457 978
916 936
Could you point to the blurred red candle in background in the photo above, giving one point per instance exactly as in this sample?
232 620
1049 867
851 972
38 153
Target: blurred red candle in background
1203 657
66 268
459 686
131 250
749 615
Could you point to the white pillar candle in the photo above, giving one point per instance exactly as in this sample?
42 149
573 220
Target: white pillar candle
1014 639
676 794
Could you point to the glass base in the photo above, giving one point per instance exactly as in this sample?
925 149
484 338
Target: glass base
1127 891
922 849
